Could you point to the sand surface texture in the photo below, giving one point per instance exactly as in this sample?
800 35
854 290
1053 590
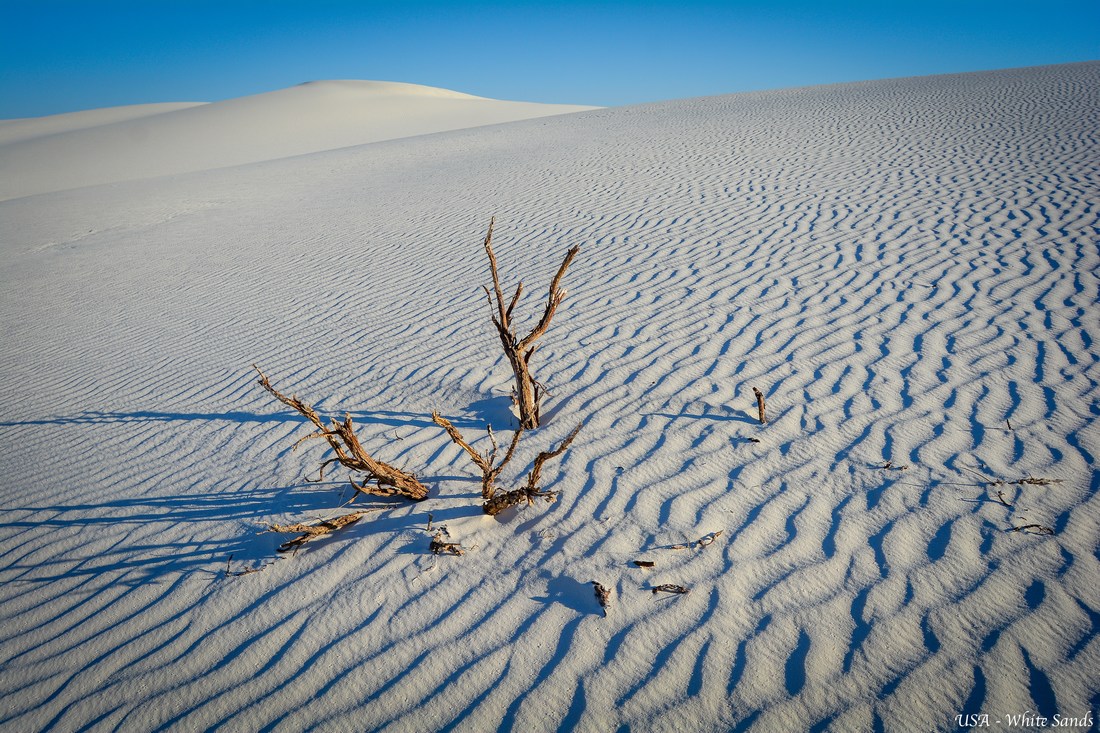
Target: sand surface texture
906 269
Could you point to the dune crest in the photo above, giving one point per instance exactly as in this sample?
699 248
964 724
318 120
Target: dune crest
147 141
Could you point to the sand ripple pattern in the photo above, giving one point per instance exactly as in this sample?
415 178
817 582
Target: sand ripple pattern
908 269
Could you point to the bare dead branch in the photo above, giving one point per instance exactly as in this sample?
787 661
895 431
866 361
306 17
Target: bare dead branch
535 477
388 480
311 531
533 489
484 462
519 351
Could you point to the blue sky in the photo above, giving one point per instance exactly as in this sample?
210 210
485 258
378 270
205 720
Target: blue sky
65 55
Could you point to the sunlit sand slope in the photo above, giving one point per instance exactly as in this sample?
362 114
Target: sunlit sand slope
145 141
906 269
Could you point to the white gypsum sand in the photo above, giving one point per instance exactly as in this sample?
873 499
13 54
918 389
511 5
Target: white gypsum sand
906 269
145 141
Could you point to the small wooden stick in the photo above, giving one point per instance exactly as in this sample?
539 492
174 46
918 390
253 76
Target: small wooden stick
760 405
669 588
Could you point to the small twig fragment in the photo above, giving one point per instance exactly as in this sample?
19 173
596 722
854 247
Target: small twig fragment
669 588
644 563
709 539
1032 481
1001 499
1033 529
760 405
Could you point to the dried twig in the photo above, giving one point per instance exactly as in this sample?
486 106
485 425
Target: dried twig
230 573
668 588
1029 481
760 405
1038 529
702 542
388 480
644 563
708 539
311 531
1001 499
985 479
1032 481
528 392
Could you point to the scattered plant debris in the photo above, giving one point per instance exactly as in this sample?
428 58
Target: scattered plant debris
230 573
889 466
440 546
603 596
644 563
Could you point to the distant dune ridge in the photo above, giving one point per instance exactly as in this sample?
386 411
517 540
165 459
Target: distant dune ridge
144 141
906 269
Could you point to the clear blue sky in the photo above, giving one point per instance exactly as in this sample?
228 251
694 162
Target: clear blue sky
65 55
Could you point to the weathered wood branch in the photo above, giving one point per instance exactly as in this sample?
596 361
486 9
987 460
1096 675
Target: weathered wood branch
484 461
310 531
519 350
388 480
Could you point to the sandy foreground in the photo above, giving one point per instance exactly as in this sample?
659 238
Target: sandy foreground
906 269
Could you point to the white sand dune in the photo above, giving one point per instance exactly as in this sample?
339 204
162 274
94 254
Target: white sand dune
908 269
145 141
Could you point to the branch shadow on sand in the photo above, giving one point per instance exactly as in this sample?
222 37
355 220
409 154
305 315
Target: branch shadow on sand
477 415
709 412
121 537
